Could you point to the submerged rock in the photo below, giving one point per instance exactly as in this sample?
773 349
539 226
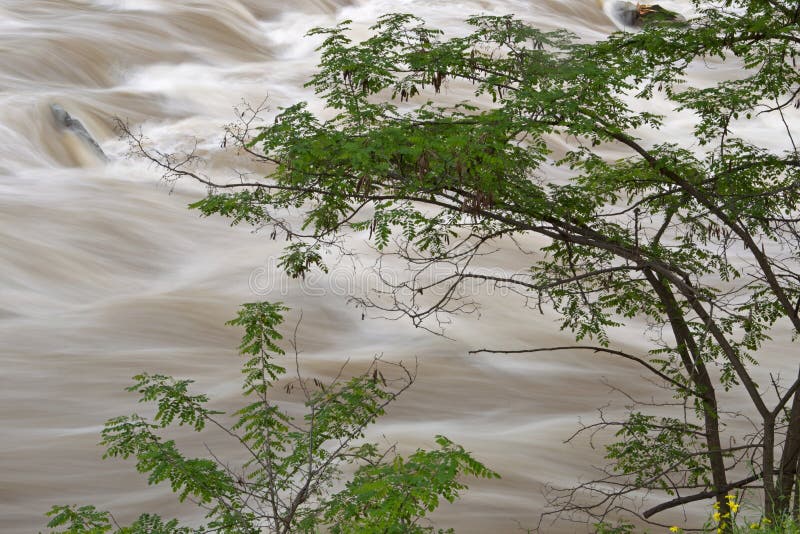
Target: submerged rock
66 122
637 15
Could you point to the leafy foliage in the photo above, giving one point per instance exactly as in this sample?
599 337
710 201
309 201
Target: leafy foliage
285 484
391 497
649 444
694 236
79 520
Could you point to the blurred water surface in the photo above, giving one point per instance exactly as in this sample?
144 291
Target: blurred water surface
105 273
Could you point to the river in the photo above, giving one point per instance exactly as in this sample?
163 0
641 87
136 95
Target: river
105 273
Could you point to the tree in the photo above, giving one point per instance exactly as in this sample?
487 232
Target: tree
697 236
285 485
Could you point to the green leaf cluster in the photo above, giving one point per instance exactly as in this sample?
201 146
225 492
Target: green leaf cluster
293 463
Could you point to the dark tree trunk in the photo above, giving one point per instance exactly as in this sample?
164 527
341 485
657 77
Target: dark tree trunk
789 458
696 369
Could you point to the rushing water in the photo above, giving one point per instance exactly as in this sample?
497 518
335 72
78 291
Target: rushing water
105 273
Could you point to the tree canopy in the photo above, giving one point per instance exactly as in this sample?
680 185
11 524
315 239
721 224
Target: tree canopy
696 236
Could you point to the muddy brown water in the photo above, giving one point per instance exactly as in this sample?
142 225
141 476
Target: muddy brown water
105 273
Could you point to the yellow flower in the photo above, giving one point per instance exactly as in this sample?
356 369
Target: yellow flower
734 506
716 516
766 521
753 526
674 529
716 506
730 497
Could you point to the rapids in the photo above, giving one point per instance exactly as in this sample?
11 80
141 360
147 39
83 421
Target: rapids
105 273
